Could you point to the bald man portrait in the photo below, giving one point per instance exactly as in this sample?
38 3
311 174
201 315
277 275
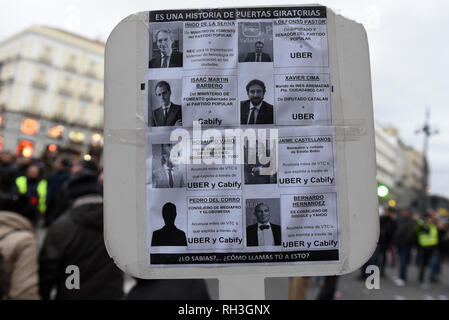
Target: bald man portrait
263 233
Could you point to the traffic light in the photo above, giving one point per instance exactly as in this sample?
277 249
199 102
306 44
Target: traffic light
382 191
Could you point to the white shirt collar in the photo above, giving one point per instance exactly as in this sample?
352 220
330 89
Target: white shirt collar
166 107
257 107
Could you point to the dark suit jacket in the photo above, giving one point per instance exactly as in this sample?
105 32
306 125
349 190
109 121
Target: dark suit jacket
265 115
251 57
175 60
160 178
174 114
168 236
251 235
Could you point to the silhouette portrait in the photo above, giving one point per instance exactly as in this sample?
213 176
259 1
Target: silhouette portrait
169 234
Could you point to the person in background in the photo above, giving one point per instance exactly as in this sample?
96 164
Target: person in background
47 161
442 249
428 243
404 238
19 277
8 171
58 178
387 229
22 164
328 289
169 289
62 201
76 239
297 288
30 191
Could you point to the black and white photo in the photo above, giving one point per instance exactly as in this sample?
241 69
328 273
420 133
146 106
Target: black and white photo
255 110
253 171
263 222
255 42
169 234
166 174
164 103
166 46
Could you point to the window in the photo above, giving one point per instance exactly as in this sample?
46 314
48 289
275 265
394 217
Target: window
60 111
39 80
92 69
45 56
71 63
34 104
65 89
82 116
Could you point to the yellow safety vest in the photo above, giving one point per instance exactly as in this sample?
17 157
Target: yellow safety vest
22 186
430 238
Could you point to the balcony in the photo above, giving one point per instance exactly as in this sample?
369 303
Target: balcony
40 85
90 74
65 92
86 97
70 68
44 60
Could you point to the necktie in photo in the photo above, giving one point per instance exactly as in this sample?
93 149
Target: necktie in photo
259 58
170 177
252 117
165 115
165 62
264 226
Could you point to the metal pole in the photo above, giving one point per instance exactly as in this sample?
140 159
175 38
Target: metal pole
425 129
425 167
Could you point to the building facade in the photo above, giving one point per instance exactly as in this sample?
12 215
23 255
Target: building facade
399 167
51 92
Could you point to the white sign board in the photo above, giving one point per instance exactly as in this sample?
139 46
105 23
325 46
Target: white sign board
239 138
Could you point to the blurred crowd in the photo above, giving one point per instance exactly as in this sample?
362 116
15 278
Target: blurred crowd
61 197
404 238
407 238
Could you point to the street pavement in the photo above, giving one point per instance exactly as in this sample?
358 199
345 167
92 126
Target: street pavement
349 287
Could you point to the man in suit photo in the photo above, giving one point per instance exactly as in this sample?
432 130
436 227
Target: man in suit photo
169 234
168 58
252 171
263 233
168 114
168 175
256 110
258 55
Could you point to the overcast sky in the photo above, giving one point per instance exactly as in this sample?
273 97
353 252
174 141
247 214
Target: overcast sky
408 40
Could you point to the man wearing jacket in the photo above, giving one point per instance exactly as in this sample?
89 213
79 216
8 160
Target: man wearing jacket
258 55
19 276
75 239
30 191
168 58
256 110
428 242
167 113
263 233
404 238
